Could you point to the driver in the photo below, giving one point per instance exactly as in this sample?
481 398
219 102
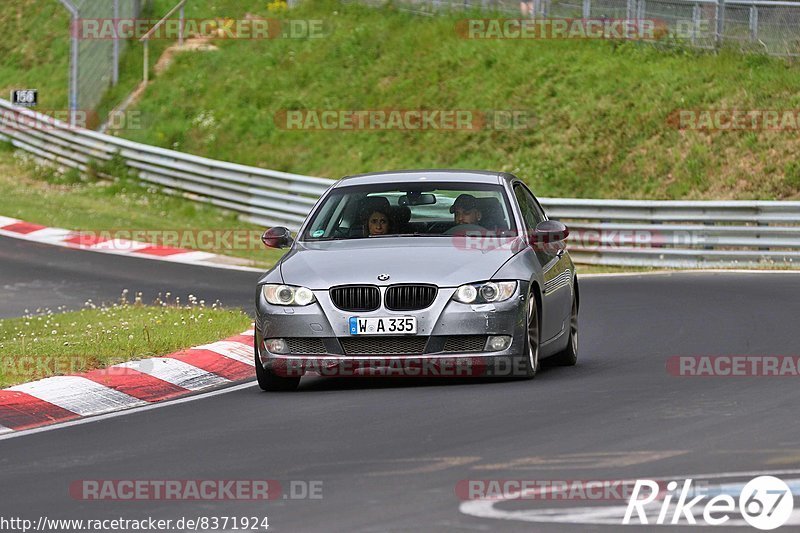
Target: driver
465 210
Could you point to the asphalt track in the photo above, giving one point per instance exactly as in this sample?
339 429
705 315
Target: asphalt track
34 275
390 453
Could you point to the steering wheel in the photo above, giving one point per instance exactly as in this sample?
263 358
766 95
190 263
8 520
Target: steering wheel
463 229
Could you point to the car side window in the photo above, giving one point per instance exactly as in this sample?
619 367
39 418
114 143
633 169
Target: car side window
537 207
526 206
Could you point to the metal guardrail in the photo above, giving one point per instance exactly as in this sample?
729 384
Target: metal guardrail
682 234
609 232
262 196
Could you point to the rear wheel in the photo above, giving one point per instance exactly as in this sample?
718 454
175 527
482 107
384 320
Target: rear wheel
530 363
569 355
271 382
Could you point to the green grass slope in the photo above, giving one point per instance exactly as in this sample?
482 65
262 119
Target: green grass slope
601 108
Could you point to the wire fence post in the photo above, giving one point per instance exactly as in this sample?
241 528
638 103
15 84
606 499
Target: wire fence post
587 9
720 16
753 23
695 21
145 39
73 62
146 73
180 28
115 53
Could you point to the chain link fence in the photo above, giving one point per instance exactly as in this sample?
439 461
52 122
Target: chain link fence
765 26
94 63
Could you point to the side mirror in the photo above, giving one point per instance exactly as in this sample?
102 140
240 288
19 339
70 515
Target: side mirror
550 231
277 237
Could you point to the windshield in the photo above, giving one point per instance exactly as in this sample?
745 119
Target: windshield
381 210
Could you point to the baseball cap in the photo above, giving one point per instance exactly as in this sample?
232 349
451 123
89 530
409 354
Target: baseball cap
467 202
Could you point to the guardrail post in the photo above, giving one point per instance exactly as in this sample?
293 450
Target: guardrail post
761 224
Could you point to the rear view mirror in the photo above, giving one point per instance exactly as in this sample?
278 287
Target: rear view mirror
277 237
417 198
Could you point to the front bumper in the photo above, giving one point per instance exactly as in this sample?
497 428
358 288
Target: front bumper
323 344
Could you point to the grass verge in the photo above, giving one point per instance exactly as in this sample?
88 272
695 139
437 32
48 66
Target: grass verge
44 344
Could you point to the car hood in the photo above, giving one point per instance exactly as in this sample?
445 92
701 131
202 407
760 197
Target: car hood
442 261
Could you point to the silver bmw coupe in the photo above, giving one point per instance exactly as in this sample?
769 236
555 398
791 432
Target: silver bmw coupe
418 273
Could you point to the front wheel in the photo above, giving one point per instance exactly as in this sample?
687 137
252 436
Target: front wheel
271 382
569 355
530 363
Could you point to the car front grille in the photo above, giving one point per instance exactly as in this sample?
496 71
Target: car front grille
369 345
306 345
409 297
356 297
465 343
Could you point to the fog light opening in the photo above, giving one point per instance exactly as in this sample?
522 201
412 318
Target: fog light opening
497 343
278 346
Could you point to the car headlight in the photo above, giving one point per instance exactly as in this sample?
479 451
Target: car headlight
486 292
287 295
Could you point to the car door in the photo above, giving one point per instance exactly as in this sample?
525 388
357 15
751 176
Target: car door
562 285
556 294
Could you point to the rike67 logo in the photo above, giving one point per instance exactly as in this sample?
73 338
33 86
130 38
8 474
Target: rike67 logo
765 503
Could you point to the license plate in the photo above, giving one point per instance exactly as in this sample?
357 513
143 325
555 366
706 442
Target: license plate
392 325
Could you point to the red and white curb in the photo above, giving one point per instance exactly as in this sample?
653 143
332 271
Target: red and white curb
127 385
19 229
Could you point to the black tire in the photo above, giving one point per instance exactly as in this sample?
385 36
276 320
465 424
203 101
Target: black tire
530 359
271 382
569 355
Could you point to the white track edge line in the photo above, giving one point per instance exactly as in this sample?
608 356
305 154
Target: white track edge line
125 412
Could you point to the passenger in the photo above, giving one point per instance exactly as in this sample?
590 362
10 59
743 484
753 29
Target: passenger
376 217
377 223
